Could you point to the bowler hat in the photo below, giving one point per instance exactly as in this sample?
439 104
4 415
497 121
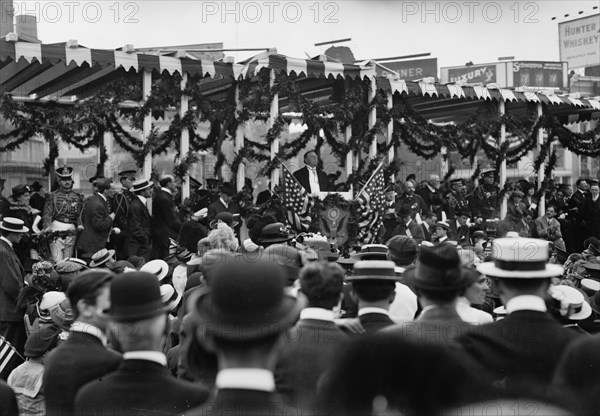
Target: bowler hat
373 270
228 189
140 185
520 258
102 257
274 233
14 225
225 217
246 301
36 186
135 296
20 190
64 172
437 269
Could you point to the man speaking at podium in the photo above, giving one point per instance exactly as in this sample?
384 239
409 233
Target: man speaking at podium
313 179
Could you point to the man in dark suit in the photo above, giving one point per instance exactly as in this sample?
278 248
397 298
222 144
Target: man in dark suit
97 220
459 228
122 200
413 201
432 187
8 401
142 384
311 344
373 289
313 179
166 222
590 213
438 279
84 356
408 226
428 225
528 334
12 326
242 317
224 203
37 200
139 234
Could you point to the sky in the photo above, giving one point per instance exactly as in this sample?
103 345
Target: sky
455 32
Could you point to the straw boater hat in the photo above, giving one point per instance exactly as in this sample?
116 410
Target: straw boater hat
520 258
374 270
140 185
158 268
102 257
570 302
14 225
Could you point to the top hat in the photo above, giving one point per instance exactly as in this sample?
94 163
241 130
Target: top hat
13 225
228 189
226 217
140 185
102 257
135 296
437 269
488 172
274 233
570 302
520 258
246 301
20 190
127 173
373 270
64 172
36 186
158 268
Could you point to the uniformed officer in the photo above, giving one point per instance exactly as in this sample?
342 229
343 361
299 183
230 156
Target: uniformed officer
413 201
206 198
61 213
486 198
121 208
456 198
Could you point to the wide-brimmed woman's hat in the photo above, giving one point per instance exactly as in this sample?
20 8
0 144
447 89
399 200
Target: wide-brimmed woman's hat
225 217
520 258
135 296
274 233
19 190
14 225
101 257
247 301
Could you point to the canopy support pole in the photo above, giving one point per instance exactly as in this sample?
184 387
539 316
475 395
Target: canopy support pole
502 179
239 141
184 144
350 155
540 139
147 125
274 113
390 132
372 117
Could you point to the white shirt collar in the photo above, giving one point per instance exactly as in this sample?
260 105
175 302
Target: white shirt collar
90 329
246 379
103 197
167 191
408 223
224 203
155 356
444 238
317 313
370 309
7 242
431 188
143 199
526 303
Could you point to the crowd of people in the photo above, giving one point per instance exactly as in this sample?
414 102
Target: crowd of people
112 305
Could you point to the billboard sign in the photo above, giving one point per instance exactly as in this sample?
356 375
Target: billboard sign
579 41
538 74
410 70
474 74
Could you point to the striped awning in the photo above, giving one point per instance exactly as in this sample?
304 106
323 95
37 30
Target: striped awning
479 93
69 72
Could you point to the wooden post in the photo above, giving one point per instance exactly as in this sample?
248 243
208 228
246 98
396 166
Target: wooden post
184 144
372 117
390 131
239 142
147 126
274 113
502 179
540 139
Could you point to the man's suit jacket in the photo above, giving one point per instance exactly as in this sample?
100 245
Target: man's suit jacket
373 322
302 176
217 207
165 224
11 282
520 350
461 234
228 402
415 230
590 215
427 232
307 354
425 192
139 387
139 235
80 359
543 225
96 225
575 205
8 401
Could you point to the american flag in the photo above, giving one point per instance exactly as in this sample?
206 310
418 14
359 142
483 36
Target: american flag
298 203
372 206
9 357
